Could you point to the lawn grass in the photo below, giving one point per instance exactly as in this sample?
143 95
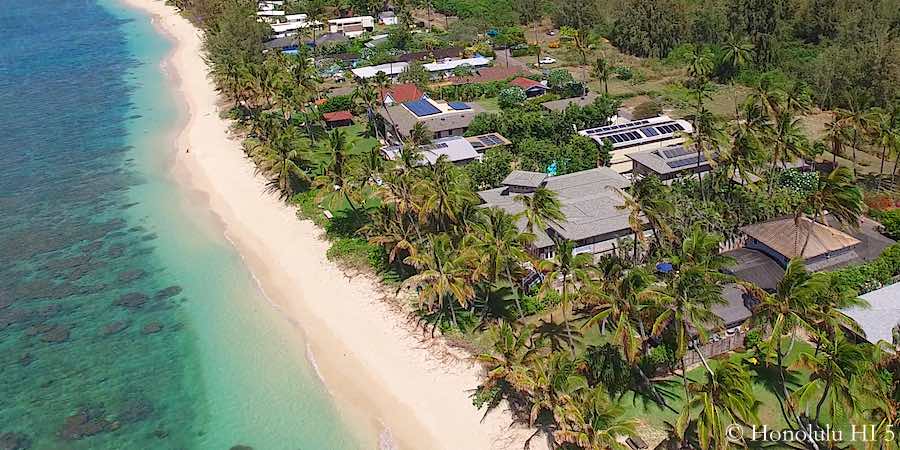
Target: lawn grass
650 415
489 104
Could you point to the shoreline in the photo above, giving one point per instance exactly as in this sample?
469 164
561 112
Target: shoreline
385 377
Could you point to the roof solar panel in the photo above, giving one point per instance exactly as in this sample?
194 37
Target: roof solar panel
421 108
675 152
459 106
685 162
678 126
649 131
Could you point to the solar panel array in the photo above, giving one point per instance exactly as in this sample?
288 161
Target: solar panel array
459 106
633 134
491 139
421 108
601 130
675 152
686 162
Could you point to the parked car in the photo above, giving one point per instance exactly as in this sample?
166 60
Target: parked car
547 60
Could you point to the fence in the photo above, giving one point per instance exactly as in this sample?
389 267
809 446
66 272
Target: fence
711 349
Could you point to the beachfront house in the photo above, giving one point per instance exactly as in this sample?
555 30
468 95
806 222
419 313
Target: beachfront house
595 217
457 149
441 118
637 136
352 26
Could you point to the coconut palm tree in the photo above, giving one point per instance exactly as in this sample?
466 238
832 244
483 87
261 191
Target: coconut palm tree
685 303
723 399
570 272
885 134
498 249
383 82
596 422
445 195
282 158
443 278
788 142
837 194
365 94
511 352
420 134
835 367
540 209
836 133
737 53
338 182
781 314
601 70
858 122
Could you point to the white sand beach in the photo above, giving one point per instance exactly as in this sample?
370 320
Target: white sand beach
380 370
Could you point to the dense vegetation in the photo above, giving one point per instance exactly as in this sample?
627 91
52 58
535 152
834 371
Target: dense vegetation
565 351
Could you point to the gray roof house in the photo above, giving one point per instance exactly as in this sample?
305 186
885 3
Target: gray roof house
881 319
458 150
593 209
443 119
668 162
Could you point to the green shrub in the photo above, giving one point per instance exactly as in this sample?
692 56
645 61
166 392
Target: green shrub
358 253
873 274
623 73
337 103
752 339
800 182
511 97
891 221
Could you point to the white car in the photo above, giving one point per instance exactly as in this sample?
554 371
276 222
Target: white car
547 60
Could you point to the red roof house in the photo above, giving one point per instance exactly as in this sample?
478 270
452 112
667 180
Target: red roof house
532 88
338 118
401 93
488 74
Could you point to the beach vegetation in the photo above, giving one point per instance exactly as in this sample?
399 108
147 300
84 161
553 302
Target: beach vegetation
586 350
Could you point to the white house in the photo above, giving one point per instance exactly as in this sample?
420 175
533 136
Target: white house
390 69
388 18
352 26
441 68
637 136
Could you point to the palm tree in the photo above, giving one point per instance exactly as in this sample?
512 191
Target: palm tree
596 422
602 71
443 277
885 134
788 142
858 122
540 208
635 220
837 194
782 313
498 248
725 398
836 133
365 94
835 366
420 135
685 303
384 82
572 272
281 158
511 352
445 194
738 52
338 181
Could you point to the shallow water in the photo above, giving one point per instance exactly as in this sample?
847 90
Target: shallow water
126 318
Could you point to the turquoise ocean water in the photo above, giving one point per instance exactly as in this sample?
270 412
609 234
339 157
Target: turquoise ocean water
127 321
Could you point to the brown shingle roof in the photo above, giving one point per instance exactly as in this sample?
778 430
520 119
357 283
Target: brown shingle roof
526 83
406 92
788 237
